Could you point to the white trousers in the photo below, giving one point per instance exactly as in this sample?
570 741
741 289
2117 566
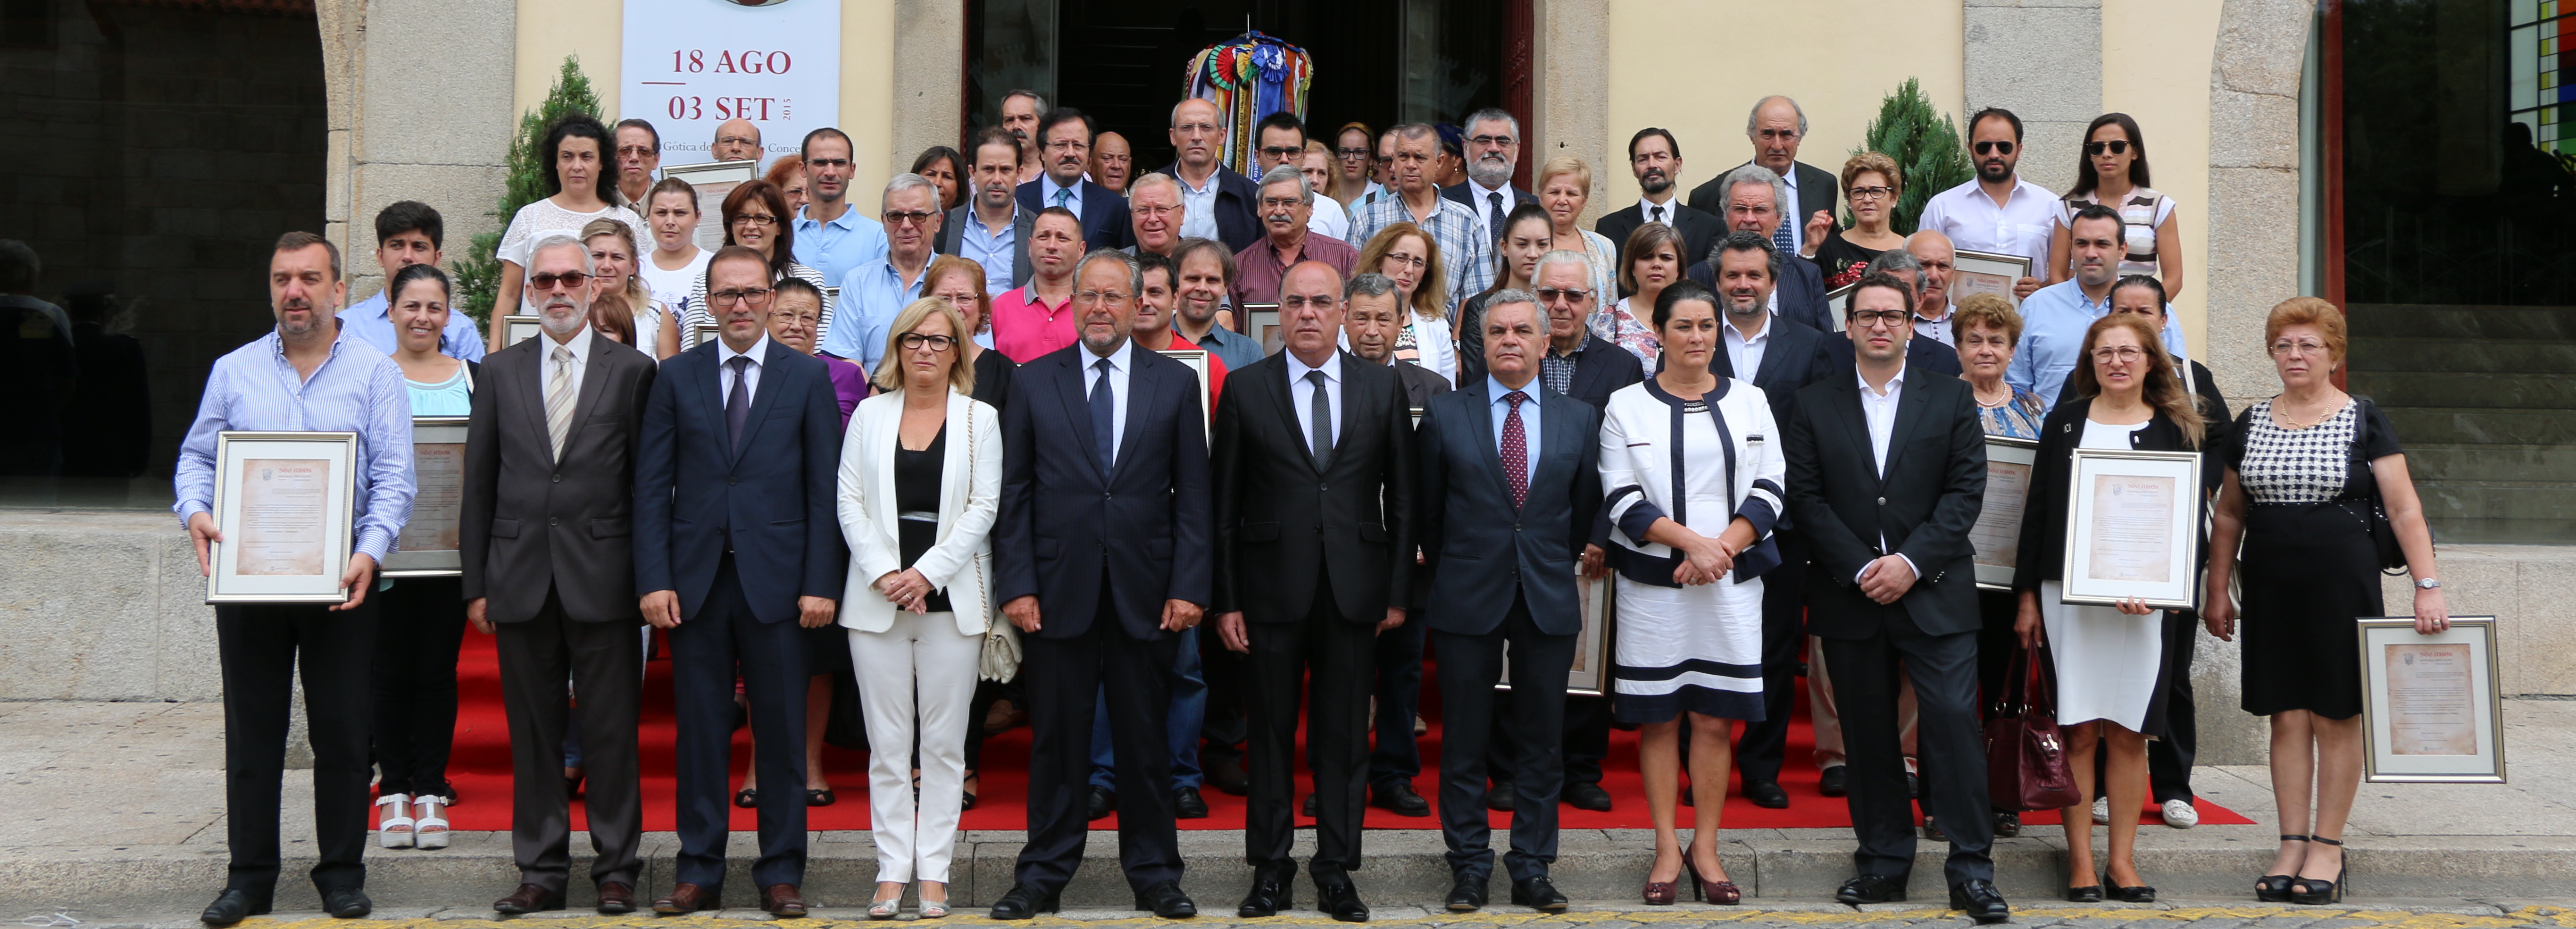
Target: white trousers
922 654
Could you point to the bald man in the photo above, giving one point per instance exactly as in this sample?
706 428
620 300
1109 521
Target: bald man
1932 307
1218 203
736 140
1776 127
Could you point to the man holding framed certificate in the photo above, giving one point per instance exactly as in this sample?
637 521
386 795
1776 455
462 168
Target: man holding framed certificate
294 482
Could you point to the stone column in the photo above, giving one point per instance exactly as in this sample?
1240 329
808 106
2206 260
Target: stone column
420 110
1571 94
929 62
2041 59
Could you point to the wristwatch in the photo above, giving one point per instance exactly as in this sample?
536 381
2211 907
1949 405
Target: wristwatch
2429 584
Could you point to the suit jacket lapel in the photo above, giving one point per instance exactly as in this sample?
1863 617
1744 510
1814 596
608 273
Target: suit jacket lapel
764 395
1910 407
531 375
1772 354
1287 406
1488 445
594 384
1077 411
1141 385
1848 409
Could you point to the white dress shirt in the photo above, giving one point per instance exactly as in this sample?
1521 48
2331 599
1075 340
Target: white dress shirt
1301 393
580 364
1975 222
1880 410
1122 364
1671 207
1746 352
1502 410
1793 216
1329 221
751 372
1481 197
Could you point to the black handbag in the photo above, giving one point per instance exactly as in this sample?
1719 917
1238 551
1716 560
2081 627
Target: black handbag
2373 511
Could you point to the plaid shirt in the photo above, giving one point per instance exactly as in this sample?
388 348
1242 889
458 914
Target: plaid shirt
1465 243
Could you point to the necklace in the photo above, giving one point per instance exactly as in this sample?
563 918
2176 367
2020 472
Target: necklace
2289 420
1981 398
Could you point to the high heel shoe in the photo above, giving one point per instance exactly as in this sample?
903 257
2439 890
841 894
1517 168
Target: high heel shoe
429 821
1664 893
2091 893
2307 891
1722 893
394 829
2275 888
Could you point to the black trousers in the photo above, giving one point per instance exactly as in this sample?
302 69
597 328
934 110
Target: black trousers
2169 758
1948 739
261 648
1340 653
1064 677
706 651
1759 752
1226 727
1470 666
536 655
1397 684
1585 739
420 624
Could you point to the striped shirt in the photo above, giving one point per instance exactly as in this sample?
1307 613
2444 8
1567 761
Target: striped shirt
1465 243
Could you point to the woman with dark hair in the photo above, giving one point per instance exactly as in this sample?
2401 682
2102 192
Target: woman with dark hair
1652 261
2113 173
756 217
945 167
420 622
581 185
1528 232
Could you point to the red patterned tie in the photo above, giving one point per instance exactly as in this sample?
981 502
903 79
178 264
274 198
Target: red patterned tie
1516 450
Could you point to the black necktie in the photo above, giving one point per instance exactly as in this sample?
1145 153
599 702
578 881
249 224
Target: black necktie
1659 215
1104 413
1319 430
1495 219
738 402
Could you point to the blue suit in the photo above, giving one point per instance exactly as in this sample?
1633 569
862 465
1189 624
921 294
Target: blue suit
1105 222
1801 290
740 535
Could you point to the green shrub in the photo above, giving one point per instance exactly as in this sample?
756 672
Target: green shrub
478 274
1925 144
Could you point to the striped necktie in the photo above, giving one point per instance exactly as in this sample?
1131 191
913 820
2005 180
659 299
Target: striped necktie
559 400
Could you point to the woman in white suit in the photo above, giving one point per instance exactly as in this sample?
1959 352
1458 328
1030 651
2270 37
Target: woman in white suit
921 481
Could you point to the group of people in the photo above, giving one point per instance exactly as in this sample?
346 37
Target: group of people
950 453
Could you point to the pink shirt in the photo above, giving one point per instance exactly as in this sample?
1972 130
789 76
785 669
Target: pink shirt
1025 328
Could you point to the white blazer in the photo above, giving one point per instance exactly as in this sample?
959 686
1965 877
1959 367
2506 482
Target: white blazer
1642 457
962 561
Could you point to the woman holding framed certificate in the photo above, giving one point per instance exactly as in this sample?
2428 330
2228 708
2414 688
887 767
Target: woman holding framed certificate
2108 660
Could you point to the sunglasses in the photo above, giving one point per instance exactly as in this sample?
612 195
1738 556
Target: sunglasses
2115 146
1994 148
568 279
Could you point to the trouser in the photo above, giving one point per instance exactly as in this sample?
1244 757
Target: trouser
1470 666
986 694
707 651
1181 725
536 655
261 648
921 669
1828 719
420 625
1584 742
1396 680
1765 743
1943 669
1338 652
1064 676
1223 727
2169 758
572 725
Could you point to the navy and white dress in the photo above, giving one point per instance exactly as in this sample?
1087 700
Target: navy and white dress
1702 463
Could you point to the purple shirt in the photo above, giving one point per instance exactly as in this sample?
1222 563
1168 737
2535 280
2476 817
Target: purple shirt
849 384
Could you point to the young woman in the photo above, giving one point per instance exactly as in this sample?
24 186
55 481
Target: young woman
2113 173
1871 184
756 216
1654 262
421 620
676 262
1402 251
1528 232
581 185
650 326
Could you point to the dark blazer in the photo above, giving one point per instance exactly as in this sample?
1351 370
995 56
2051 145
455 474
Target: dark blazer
1817 190
1021 220
1792 358
1238 211
1478 549
1462 192
775 502
1281 522
1700 230
530 522
1934 486
1600 369
1420 383
1104 217
2043 516
1061 518
1801 288
1922 353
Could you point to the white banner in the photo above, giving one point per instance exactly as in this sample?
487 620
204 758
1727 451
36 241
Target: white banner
690 65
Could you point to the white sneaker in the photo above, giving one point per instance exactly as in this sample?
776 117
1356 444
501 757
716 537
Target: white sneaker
2101 811
2180 814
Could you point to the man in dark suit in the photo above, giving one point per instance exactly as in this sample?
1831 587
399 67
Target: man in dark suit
549 570
1311 435
1217 202
1493 142
1922 352
1775 127
1371 321
1751 204
737 545
1064 148
994 228
1105 527
1656 159
1887 471
1510 489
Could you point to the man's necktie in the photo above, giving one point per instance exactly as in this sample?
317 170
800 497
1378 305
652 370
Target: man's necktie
1659 215
738 402
1320 411
1780 234
1064 197
559 401
1104 415
1516 450
1495 218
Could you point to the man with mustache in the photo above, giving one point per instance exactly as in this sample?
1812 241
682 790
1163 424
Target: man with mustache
1997 211
1493 143
1656 159
990 228
639 154
1064 147
1219 201
1776 126
1287 202
1020 111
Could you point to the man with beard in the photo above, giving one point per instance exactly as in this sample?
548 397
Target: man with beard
1656 159
873 293
1219 201
1064 142
1493 143
1998 211
1154 207
1206 278
1775 127
990 229
1286 203
1020 111
308 374
639 154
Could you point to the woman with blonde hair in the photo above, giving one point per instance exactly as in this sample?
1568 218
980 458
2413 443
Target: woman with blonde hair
920 487
1407 255
653 329
1564 188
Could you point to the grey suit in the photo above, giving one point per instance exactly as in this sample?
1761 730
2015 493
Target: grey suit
545 542
1021 222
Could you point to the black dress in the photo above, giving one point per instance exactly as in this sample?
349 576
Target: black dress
916 494
992 377
2309 567
1841 260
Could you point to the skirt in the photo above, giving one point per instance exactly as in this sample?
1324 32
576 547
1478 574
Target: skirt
1688 648
2108 665
2309 571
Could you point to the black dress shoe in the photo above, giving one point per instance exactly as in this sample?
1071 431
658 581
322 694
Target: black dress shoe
1399 797
347 902
1871 888
1499 797
2007 824
1766 794
1538 894
1025 901
1834 781
529 898
1187 804
1226 774
1585 795
1913 785
1467 892
1103 802
232 906
1307 810
1341 901
1167 901
1273 890
1981 900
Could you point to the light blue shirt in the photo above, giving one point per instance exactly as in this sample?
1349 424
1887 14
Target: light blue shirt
1494 392
834 248
452 397
357 389
996 249
2052 338
1198 205
1234 348
371 319
871 296
1049 190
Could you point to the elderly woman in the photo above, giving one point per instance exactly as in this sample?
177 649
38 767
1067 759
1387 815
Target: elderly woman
788 175
2108 662
1871 184
651 326
1987 328
580 186
1526 236
2303 470
756 216
795 312
1564 188
1404 253
1693 490
1653 261
420 621
2113 172
917 505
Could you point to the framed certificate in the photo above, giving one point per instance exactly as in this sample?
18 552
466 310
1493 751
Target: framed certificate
712 180
429 541
1834 305
2133 521
2430 712
1197 359
1997 534
705 332
1975 272
286 505
522 327
1261 322
1590 675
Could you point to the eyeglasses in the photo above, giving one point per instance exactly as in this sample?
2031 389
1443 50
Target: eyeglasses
1281 151
913 218
755 220
2286 347
1749 209
1889 318
936 343
2115 146
827 162
1407 260
634 151
1870 193
1484 141
568 280
737 140
1350 153
1281 203
1089 297
1295 302
2125 353
1994 148
757 296
1156 212
1552 294
1194 128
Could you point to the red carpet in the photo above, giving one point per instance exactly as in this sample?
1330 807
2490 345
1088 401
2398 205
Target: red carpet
481 771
